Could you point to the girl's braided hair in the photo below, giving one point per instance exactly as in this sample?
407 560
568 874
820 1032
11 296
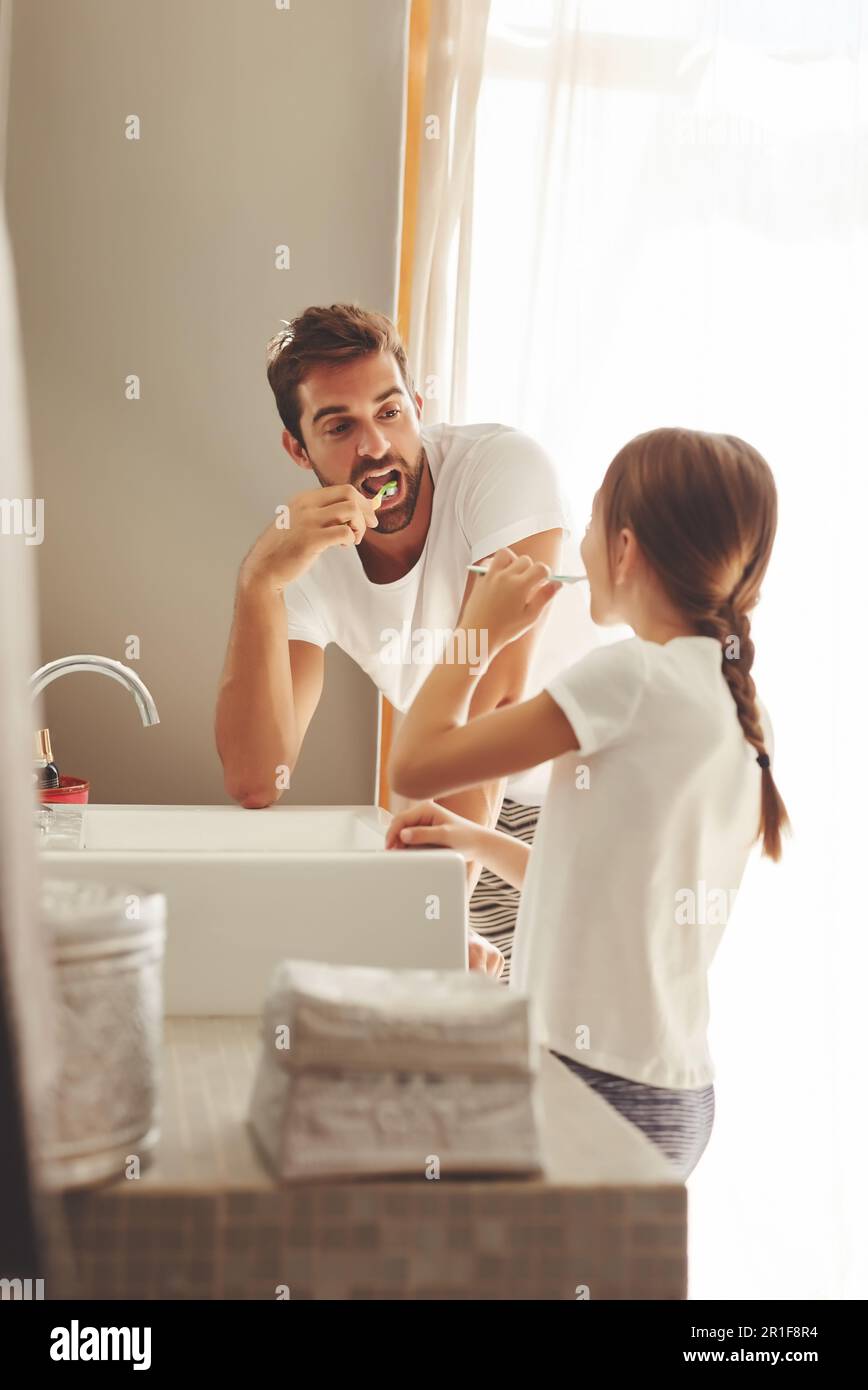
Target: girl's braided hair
703 508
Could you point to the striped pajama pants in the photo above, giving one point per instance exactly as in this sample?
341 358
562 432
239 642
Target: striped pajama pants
493 905
678 1122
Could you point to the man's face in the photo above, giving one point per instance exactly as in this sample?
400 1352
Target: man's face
360 426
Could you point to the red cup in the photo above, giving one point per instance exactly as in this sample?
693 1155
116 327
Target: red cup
71 792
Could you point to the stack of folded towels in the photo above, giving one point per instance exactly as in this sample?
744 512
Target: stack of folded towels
367 1071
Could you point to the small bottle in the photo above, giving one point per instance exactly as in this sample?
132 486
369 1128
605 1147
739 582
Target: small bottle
45 773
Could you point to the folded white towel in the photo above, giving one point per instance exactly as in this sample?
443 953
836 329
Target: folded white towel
338 1124
362 1018
367 1071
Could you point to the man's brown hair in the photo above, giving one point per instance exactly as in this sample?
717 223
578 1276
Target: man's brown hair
322 337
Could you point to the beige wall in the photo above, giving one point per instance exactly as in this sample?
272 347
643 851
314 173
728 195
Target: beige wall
156 258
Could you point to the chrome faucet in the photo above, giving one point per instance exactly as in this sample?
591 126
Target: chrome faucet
107 667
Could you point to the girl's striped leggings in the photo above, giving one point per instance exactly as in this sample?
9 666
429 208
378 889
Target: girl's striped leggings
678 1122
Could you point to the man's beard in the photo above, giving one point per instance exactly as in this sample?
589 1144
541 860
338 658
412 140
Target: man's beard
393 518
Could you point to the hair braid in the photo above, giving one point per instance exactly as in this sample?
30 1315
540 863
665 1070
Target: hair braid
703 509
731 627
732 630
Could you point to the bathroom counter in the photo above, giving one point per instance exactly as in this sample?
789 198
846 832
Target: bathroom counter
206 1219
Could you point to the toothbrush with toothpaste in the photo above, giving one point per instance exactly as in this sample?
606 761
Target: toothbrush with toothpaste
386 490
553 578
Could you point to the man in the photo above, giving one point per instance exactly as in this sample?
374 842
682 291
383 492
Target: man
386 579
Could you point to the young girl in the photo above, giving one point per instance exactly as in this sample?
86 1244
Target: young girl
662 780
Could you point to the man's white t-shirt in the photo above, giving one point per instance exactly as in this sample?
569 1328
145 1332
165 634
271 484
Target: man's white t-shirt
493 486
637 859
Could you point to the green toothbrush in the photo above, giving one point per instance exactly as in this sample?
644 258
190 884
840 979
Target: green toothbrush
386 490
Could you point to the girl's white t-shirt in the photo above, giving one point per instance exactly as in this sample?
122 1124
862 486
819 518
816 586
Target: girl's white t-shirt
493 486
639 850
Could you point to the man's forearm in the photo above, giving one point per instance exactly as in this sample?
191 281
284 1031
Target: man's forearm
255 725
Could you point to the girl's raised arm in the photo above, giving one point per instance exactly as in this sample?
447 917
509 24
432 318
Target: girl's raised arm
437 751
436 754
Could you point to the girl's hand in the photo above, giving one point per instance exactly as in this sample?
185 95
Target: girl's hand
428 823
507 601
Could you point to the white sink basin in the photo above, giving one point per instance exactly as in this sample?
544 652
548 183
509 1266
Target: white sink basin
246 889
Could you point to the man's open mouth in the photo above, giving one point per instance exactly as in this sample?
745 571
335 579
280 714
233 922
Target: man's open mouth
371 485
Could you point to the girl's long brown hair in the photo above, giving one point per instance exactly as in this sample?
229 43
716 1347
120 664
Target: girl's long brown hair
703 508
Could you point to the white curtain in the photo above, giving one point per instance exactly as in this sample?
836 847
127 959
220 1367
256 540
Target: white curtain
436 342
669 219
